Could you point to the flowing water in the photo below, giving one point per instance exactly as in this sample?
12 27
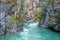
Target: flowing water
32 32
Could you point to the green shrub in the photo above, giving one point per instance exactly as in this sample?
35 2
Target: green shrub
37 18
51 1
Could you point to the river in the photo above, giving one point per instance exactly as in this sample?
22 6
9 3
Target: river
32 32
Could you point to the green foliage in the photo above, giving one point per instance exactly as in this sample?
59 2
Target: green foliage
51 1
14 20
37 18
14 0
8 0
2 0
22 6
43 5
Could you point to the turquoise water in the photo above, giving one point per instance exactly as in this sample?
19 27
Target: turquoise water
33 32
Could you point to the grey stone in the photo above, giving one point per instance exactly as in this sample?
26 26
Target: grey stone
51 17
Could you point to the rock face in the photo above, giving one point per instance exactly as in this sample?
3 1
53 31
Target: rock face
51 17
31 9
5 10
